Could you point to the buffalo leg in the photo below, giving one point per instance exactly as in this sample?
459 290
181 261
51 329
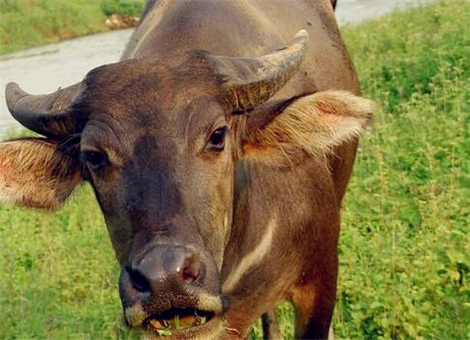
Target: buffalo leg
313 312
314 298
270 326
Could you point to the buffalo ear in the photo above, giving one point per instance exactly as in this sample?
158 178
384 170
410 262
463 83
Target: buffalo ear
36 173
284 133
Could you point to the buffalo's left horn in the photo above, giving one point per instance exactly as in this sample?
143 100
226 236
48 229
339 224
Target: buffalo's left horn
50 115
252 81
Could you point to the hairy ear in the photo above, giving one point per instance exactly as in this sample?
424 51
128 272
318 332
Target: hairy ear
311 125
36 173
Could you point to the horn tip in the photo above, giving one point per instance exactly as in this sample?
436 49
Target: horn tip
13 93
11 86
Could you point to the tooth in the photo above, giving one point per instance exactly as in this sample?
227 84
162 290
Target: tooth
187 321
156 324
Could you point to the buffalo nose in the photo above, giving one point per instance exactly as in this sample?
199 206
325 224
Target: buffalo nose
164 270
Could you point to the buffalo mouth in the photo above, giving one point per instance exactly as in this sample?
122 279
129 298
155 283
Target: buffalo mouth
176 319
184 317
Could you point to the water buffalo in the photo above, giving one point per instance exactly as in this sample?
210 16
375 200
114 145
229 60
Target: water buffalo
219 149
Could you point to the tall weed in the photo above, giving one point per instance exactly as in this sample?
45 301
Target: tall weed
405 269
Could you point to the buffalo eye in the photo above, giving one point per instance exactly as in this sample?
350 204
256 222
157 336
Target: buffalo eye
217 140
94 159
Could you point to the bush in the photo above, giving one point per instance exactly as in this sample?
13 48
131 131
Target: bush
29 23
124 7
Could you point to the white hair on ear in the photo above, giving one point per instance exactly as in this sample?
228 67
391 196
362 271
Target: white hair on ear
32 175
314 125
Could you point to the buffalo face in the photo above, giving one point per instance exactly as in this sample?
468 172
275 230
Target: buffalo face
158 151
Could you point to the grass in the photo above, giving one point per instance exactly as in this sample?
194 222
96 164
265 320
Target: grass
404 264
29 23
405 242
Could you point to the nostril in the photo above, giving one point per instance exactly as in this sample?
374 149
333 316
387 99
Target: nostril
192 269
138 280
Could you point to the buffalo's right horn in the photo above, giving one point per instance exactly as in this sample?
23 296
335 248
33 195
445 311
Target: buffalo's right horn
252 81
49 115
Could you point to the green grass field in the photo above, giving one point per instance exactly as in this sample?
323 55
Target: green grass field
405 241
28 23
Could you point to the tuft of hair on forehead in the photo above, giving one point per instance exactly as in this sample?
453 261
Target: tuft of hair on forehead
35 173
313 125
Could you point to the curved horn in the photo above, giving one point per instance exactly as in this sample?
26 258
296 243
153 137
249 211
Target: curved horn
49 115
252 81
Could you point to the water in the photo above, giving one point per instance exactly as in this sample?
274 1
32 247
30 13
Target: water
45 69
355 11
